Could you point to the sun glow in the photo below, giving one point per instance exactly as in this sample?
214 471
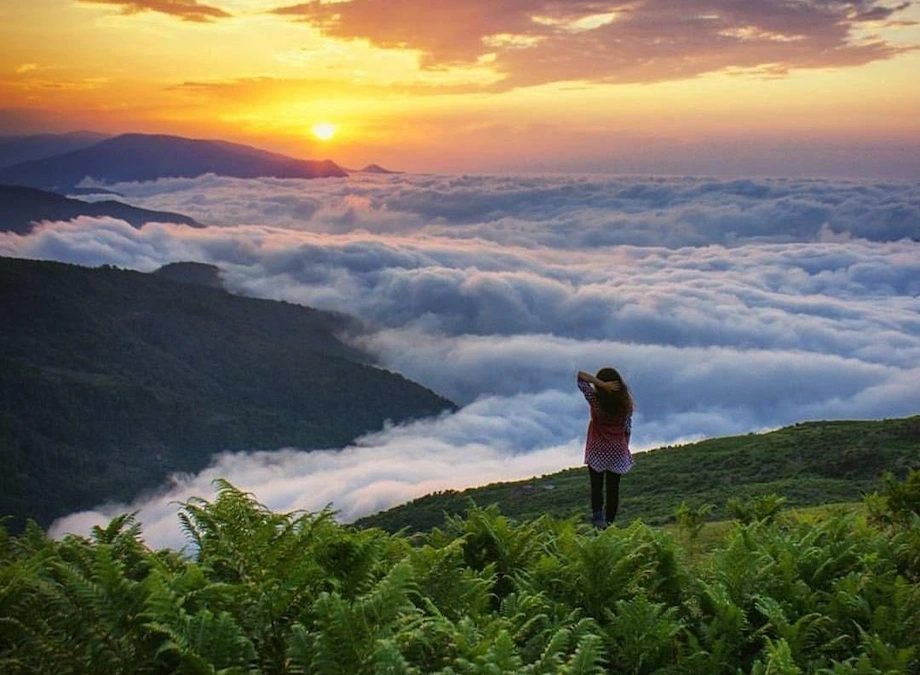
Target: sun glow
324 130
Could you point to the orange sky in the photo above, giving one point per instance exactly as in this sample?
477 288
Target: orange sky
817 87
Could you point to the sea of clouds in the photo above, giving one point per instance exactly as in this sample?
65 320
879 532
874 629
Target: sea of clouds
729 307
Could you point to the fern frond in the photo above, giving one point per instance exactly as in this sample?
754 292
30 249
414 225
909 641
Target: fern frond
387 660
551 659
588 658
779 660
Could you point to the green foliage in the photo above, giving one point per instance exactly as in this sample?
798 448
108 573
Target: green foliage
691 521
757 509
807 464
898 501
262 592
643 635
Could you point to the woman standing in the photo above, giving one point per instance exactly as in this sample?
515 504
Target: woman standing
607 448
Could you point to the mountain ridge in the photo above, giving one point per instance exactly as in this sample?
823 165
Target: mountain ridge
376 168
15 149
21 207
144 157
190 272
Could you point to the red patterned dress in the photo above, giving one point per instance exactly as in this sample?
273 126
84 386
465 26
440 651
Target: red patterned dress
607 447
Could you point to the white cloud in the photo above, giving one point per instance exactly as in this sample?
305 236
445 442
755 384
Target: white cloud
729 307
488 440
565 212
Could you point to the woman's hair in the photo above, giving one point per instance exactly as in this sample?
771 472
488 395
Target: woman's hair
614 403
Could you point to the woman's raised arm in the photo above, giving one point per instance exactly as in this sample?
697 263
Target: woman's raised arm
600 384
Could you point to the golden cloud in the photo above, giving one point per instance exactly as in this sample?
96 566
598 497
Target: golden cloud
534 42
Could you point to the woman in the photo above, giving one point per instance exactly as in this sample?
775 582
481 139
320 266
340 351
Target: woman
607 448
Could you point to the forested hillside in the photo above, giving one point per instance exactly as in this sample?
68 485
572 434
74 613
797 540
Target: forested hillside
297 593
22 207
110 380
806 464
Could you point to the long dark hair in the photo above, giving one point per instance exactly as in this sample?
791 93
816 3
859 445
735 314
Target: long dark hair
614 403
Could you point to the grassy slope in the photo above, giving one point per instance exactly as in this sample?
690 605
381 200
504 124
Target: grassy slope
810 463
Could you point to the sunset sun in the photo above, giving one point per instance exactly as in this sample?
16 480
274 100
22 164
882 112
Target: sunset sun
324 131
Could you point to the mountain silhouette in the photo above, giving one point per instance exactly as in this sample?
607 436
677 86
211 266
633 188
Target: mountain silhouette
143 157
16 149
22 207
376 168
188 272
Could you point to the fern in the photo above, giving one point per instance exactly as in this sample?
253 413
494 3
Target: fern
299 593
778 661
444 578
608 568
388 660
109 609
807 637
551 658
428 639
346 631
491 540
762 509
501 657
691 521
587 659
642 636
206 643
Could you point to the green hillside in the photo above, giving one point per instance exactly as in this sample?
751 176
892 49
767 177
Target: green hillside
110 380
808 464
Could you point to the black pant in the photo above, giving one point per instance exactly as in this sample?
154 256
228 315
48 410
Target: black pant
597 492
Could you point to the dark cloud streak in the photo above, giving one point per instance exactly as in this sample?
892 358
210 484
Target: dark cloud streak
186 10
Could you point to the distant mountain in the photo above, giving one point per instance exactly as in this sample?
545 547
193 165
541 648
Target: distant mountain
142 157
198 273
21 207
111 380
809 464
16 149
376 168
86 191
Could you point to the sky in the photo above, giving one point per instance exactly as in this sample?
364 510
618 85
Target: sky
730 306
811 88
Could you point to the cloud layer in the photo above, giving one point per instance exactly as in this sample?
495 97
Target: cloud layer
729 306
568 212
538 41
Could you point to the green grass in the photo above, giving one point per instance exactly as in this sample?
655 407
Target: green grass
810 464
714 532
